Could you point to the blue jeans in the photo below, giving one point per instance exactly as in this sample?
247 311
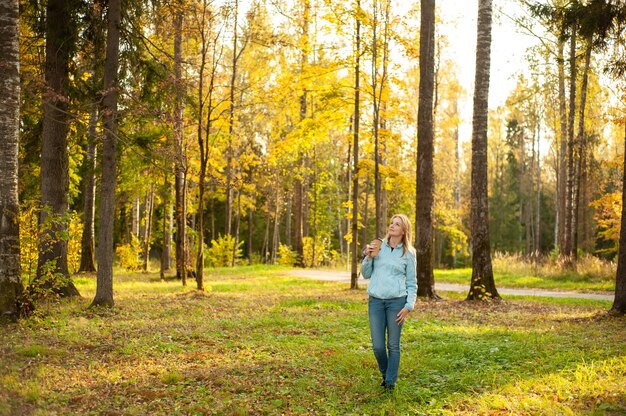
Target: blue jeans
382 314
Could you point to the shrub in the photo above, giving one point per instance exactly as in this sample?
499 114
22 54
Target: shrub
316 252
31 230
128 255
286 256
222 250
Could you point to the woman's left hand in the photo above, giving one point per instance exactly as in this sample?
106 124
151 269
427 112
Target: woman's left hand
401 317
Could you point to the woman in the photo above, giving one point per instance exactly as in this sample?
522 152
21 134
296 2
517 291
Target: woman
392 292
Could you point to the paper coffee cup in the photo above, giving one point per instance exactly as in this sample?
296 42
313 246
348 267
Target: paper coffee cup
375 246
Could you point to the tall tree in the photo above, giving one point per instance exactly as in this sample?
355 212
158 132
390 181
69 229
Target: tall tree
87 263
60 42
425 147
231 123
94 35
568 247
482 284
180 162
104 286
10 284
355 147
619 303
300 177
379 80
209 48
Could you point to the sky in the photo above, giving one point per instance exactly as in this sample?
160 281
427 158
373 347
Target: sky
508 49
509 43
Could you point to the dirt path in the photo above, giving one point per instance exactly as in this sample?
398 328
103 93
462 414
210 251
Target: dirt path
342 276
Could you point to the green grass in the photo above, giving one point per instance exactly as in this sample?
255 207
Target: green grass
526 279
260 342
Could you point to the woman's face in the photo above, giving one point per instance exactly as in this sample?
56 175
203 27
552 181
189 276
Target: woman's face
395 228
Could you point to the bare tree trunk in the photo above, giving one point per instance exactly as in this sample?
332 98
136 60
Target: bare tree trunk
181 211
11 288
482 284
562 158
288 230
538 190
580 138
237 223
87 263
275 236
148 228
168 226
354 276
298 222
231 127
457 164
377 90
569 191
424 191
104 286
365 212
135 216
266 237
54 157
619 303
250 224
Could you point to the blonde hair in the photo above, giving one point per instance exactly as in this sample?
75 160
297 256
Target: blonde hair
407 239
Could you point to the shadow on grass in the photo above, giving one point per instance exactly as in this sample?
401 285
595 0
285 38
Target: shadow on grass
268 345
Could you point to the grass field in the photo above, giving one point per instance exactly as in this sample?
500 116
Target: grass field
260 342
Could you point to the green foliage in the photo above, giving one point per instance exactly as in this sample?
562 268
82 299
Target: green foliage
608 215
29 240
286 256
129 254
31 231
222 250
302 347
47 285
316 252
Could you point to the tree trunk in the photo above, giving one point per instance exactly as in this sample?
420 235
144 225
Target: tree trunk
538 191
567 232
425 148
365 212
266 236
377 92
148 228
231 128
237 224
250 224
298 222
60 39
457 167
354 276
135 218
181 211
87 263
104 286
275 236
482 284
580 139
203 141
619 303
10 283
168 226
562 159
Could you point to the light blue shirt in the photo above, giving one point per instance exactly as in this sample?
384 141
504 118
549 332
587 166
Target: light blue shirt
393 274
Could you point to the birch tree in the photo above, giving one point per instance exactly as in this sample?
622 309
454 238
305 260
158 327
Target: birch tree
10 284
